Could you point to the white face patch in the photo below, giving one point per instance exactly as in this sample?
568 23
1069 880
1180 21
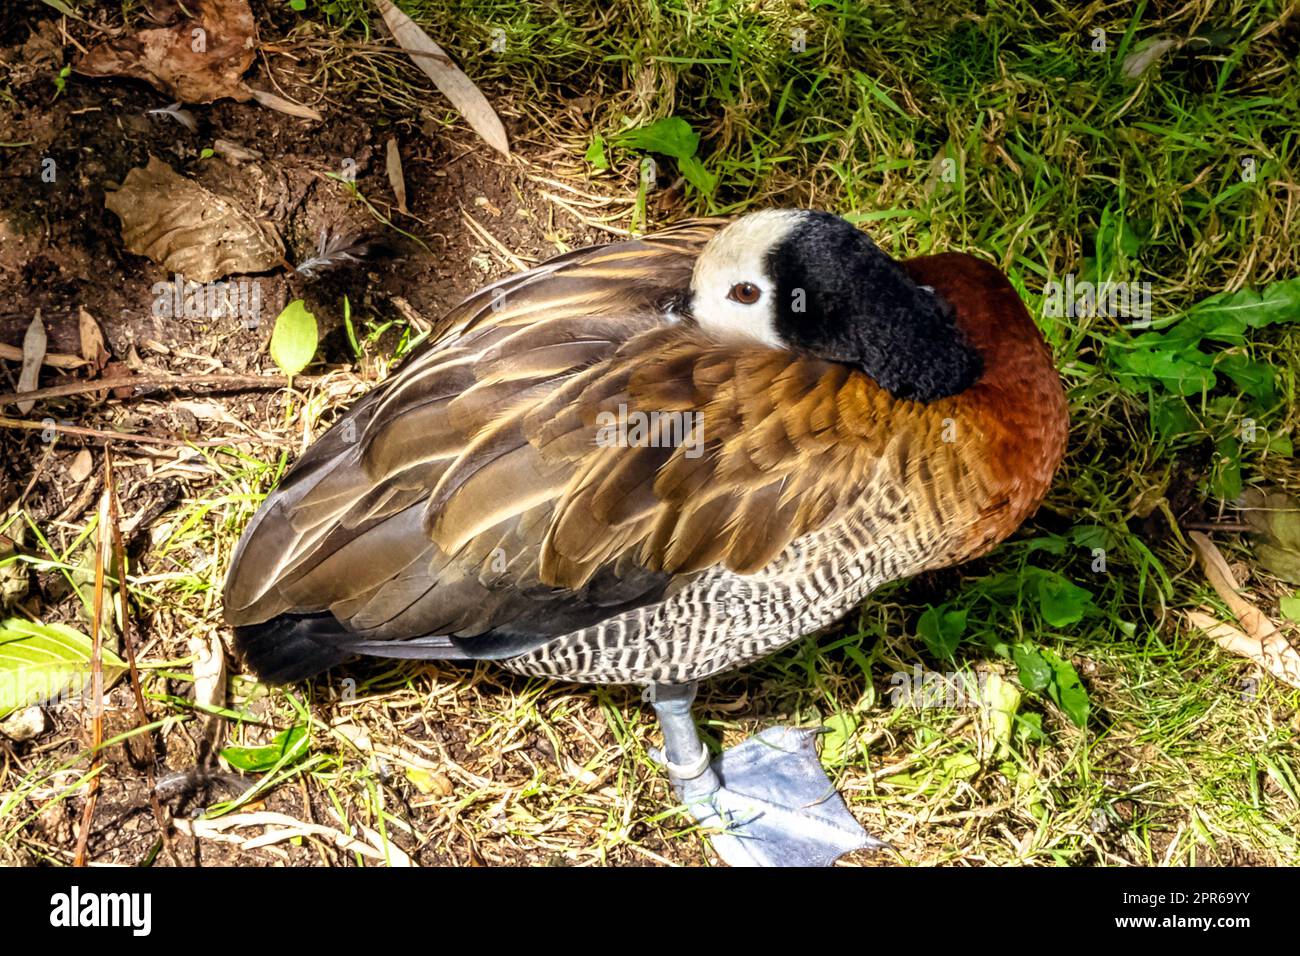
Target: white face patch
734 257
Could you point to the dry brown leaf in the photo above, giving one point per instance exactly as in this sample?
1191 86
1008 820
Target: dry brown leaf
209 681
33 356
208 411
195 61
12 353
394 165
81 467
1274 518
1276 656
455 85
93 347
280 104
14 578
233 152
187 229
120 370
1259 639
1221 579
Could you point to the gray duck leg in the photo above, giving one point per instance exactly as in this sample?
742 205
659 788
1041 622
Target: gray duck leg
767 800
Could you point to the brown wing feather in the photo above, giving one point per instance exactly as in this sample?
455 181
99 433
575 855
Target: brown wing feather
439 500
778 457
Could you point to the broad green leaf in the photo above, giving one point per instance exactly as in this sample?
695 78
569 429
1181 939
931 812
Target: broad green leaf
1029 728
1060 601
672 136
1067 689
942 630
1254 378
1116 241
1282 562
1035 672
1185 372
1090 536
697 175
1225 479
1274 518
41 662
840 729
1280 444
287 747
294 339
1051 543
1279 302
596 153
1290 607
1170 417
1006 583
1196 328
1001 699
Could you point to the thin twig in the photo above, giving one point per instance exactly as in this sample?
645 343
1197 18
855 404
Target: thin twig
481 231
106 435
240 382
102 551
128 642
279 827
36 475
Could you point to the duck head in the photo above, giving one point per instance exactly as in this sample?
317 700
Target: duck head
813 283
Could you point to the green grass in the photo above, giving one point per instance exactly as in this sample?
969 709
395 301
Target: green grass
1001 133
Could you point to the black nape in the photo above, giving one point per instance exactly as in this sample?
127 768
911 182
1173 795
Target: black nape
841 298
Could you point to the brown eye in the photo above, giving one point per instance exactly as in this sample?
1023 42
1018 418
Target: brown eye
746 293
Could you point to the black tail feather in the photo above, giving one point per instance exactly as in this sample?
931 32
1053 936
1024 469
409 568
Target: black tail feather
293 647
